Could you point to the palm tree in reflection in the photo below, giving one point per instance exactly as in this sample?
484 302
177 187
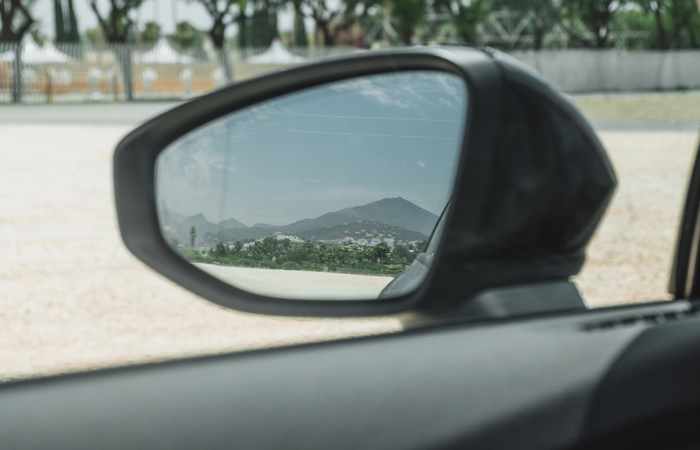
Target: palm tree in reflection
193 236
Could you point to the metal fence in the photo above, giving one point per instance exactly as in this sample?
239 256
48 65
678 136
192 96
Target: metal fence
615 70
30 73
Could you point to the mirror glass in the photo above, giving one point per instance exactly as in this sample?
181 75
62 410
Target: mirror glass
328 193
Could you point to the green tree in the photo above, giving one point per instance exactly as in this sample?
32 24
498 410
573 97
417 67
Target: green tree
466 15
408 15
39 37
597 17
59 21
657 8
220 250
257 251
300 37
381 251
186 35
15 19
117 24
73 35
270 247
401 254
263 27
223 13
94 36
685 23
193 236
544 15
150 33
323 14
65 21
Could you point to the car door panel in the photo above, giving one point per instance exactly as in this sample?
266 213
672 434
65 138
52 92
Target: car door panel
515 384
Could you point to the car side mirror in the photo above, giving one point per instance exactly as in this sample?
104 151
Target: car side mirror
411 180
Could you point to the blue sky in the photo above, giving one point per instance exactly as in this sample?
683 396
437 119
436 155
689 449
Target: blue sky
341 145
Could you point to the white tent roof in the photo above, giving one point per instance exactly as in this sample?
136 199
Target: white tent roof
32 53
163 53
276 54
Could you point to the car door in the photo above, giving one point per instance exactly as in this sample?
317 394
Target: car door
498 349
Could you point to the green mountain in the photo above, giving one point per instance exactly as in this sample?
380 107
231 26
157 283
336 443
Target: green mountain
204 226
390 218
242 234
391 211
264 225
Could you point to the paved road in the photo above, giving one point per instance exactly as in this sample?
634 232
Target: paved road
647 125
138 112
83 114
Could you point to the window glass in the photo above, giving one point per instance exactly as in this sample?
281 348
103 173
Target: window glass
651 139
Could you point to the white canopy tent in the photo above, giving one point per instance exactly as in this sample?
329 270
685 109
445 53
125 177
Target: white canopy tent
276 54
163 53
33 53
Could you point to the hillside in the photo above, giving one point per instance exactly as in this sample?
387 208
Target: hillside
389 218
202 225
362 230
391 211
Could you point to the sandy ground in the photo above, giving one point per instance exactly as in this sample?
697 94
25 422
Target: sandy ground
676 106
72 298
300 284
630 257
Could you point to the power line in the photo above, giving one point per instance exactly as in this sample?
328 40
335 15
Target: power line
367 117
353 134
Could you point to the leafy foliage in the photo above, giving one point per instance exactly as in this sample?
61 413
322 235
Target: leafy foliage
15 19
596 16
466 15
65 21
272 253
186 35
117 24
150 33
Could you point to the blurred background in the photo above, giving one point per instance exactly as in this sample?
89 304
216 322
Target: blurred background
77 75
117 50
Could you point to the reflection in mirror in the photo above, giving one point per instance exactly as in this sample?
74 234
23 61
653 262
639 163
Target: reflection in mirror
328 193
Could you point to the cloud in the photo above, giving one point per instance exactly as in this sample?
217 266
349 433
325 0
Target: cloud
421 163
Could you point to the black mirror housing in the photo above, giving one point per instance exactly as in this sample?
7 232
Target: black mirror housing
533 183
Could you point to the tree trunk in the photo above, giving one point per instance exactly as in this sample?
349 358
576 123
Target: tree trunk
17 74
124 56
693 37
408 37
59 21
74 35
242 30
601 39
663 38
217 34
226 64
325 33
300 38
218 37
539 39
677 40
